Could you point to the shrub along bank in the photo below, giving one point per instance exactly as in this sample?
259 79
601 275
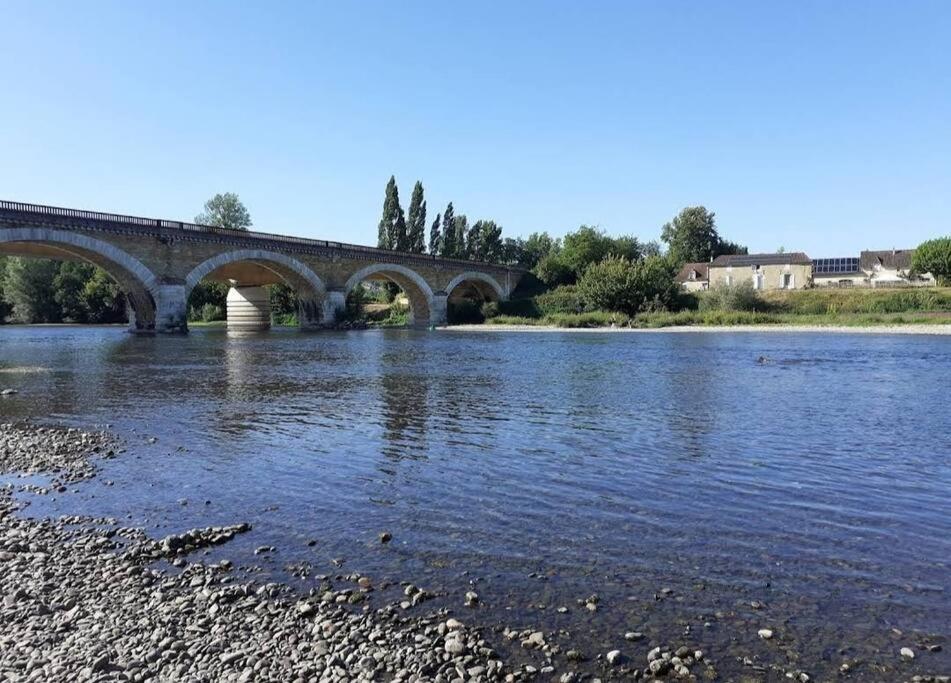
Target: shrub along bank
568 306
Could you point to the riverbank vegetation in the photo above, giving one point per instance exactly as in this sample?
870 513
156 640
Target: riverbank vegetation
590 279
739 305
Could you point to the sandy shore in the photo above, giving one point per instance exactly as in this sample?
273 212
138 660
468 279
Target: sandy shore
837 329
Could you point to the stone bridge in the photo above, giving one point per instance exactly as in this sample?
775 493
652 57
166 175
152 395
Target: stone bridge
157 263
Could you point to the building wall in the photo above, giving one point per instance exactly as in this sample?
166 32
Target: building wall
772 275
830 280
694 285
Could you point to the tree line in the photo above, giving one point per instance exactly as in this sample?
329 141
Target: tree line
450 235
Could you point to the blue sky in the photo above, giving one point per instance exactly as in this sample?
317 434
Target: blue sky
818 126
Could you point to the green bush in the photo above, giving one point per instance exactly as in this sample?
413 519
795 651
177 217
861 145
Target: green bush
553 271
564 299
490 309
284 320
521 308
211 312
618 284
737 297
831 301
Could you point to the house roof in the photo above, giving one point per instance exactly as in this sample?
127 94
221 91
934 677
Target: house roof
701 268
892 259
796 258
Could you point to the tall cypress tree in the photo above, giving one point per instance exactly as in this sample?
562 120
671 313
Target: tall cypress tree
387 230
435 236
448 247
416 222
460 228
398 236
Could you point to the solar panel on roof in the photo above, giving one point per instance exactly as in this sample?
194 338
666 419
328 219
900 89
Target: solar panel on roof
835 265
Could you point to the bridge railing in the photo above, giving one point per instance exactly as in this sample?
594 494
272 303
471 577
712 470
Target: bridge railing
40 210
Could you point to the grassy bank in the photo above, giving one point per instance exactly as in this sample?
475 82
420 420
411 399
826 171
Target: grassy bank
835 307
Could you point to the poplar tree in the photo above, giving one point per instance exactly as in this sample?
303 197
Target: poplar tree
460 228
416 222
448 247
435 236
392 216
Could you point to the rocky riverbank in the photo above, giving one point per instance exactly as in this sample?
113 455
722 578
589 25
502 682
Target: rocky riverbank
87 599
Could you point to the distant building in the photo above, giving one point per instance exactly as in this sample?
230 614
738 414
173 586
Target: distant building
694 277
892 267
838 272
888 268
765 271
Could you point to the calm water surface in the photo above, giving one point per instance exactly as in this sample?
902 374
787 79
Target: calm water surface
543 468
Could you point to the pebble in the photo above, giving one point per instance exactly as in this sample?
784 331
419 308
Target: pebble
907 653
614 657
765 633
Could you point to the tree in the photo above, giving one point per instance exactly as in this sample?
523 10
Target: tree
28 287
391 223
651 248
460 231
538 246
435 236
398 236
103 301
588 245
618 284
4 306
513 251
727 247
553 271
68 287
225 211
934 256
692 235
484 242
416 222
448 246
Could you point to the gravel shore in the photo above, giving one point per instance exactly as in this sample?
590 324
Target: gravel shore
85 599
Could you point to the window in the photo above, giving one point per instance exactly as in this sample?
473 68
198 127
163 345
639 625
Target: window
729 280
787 280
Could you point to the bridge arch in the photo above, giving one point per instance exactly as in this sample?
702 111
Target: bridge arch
138 282
486 285
310 289
418 291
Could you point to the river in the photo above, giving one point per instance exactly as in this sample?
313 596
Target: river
710 484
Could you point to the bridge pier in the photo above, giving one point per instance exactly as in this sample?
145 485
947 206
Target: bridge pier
249 308
438 309
171 310
334 304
